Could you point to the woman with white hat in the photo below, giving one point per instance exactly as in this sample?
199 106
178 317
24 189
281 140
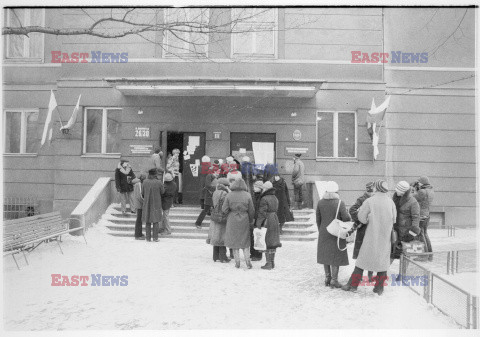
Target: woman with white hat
267 217
328 253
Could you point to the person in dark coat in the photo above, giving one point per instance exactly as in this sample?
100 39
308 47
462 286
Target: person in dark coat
216 232
408 217
206 190
137 199
424 193
168 198
267 217
281 192
152 204
298 181
328 253
248 174
239 206
123 177
358 226
257 192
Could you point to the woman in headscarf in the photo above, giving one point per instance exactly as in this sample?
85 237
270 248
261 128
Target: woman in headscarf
281 192
328 252
267 217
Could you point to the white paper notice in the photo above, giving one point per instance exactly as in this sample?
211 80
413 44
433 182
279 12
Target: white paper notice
263 152
185 153
194 169
197 162
242 150
187 157
190 149
194 140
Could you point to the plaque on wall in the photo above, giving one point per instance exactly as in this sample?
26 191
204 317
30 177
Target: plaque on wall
141 149
142 132
290 151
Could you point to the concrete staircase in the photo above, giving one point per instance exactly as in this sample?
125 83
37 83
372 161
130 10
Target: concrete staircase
182 221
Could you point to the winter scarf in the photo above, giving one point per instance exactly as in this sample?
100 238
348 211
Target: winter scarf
123 170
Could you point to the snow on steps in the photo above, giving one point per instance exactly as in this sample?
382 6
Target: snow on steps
182 221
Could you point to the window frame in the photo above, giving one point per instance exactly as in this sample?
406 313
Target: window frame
167 54
233 55
23 130
103 144
335 135
26 44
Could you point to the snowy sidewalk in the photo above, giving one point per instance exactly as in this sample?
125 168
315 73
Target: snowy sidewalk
174 284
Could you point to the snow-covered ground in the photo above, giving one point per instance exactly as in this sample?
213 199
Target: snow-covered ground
174 284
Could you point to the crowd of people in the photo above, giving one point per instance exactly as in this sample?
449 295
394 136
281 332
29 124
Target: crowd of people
239 197
381 224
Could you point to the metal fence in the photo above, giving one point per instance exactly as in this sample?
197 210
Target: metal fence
19 207
422 277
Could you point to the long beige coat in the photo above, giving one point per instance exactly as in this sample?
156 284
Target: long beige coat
380 213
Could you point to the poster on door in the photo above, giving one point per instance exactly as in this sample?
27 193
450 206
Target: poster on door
263 152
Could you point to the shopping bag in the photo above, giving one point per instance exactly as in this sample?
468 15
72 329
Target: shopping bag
259 239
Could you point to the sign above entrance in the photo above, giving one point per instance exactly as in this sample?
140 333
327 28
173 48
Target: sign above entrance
290 151
142 132
141 149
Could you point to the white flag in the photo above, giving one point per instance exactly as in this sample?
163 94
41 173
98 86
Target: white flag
73 118
51 106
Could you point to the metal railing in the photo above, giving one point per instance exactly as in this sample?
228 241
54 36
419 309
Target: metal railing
19 207
422 277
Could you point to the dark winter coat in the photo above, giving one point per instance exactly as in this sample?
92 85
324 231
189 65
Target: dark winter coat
281 192
424 197
267 216
169 194
256 202
248 172
121 182
408 216
216 232
210 186
298 173
327 250
152 199
201 179
359 226
239 206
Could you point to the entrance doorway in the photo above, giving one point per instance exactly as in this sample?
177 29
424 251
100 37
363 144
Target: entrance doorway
192 149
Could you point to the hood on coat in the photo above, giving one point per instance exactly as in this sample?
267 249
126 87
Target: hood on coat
405 197
331 195
238 185
222 187
269 192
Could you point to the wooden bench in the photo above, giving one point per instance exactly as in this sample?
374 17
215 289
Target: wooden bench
26 234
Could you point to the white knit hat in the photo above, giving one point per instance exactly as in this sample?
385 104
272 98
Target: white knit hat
267 185
205 159
229 159
331 187
246 158
235 175
402 187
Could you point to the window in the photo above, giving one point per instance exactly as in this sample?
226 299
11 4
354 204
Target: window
20 46
186 39
336 134
102 130
254 32
21 131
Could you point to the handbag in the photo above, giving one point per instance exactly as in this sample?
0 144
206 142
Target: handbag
259 239
217 215
339 228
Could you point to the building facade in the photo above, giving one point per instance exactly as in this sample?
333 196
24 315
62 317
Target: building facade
289 85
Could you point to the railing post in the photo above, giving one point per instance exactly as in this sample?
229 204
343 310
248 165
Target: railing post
474 311
456 262
448 263
468 311
426 288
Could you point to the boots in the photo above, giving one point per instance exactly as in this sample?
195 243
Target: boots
348 286
328 274
269 257
334 282
272 259
249 263
236 255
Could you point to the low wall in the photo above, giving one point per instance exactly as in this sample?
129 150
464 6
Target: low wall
93 205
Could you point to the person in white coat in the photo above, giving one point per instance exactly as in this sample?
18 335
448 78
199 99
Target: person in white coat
378 213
